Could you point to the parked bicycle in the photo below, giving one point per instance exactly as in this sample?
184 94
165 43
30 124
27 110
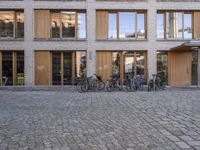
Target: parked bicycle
134 83
114 83
4 80
92 83
158 82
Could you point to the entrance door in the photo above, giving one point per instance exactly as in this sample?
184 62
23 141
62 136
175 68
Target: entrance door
7 66
194 68
180 70
62 68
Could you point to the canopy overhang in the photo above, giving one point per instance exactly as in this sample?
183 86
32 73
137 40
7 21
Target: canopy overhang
187 46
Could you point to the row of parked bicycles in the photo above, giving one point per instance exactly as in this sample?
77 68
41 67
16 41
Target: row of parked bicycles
95 83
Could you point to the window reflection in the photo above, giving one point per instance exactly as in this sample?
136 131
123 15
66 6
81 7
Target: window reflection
80 64
68 24
160 25
81 25
7 24
116 64
140 26
162 63
112 22
20 24
174 25
188 25
55 24
127 25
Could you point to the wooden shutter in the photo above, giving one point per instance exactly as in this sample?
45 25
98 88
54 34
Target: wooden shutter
197 25
104 64
179 64
42 23
101 24
42 68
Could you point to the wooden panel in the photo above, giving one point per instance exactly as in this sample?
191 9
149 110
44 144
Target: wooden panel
101 24
42 23
14 57
0 68
104 64
122 66
145 67
197 25
42 68
179 64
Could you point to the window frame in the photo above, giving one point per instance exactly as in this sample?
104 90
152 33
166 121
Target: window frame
136 12
15 29
164 12
61 26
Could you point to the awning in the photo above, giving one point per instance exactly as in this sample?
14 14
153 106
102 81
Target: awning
187 46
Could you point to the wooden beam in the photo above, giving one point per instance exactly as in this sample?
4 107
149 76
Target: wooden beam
14 65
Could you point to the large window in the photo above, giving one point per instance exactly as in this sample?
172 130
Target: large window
11 24
162 63
126 25
112 25
68 24
174 25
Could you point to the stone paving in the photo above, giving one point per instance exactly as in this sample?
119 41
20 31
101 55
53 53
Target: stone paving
61 120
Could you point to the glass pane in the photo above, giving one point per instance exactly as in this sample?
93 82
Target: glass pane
127 25
67 68
55 25
174 24
140 63
188 26
68 24
80 64
56 68
140 26
81 25
194 67
116 64
162 63
20 68
160 25
6 24
20 25
112 26
129 64
7 67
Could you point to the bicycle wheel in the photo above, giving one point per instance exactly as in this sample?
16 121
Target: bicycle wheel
109 87
78 87
100 85
150 86
119 85
85 85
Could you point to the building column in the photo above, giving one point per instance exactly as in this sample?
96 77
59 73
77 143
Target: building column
199 68
152 62
91 36
28 47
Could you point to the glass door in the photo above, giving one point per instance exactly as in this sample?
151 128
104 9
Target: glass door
194 68
67 68
7 67
56 68
129 64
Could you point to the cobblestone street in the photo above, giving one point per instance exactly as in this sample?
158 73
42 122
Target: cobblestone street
100 121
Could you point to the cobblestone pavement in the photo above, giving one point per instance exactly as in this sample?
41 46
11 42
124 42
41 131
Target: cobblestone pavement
100 121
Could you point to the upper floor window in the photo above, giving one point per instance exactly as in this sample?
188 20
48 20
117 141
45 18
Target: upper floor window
174 25
68 24
11 24
120 25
